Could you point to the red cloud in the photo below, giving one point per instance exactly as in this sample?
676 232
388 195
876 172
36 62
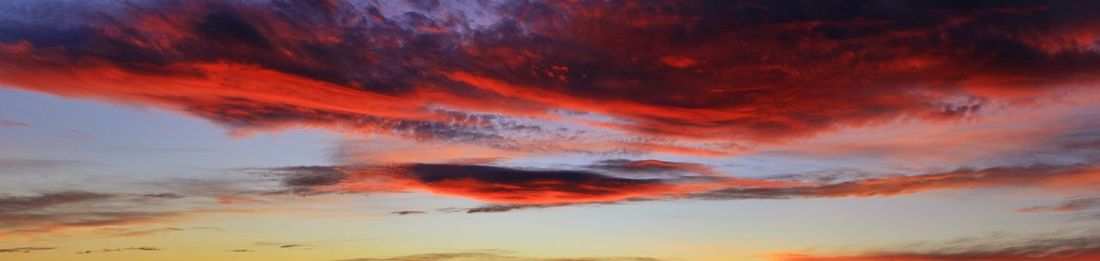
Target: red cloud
658 71
500 184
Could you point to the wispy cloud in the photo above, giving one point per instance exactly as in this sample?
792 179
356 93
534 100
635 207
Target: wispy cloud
140 232
109 250
51 212
13 124
979 249
7 164
25 250
1071 205
1050 176
494 255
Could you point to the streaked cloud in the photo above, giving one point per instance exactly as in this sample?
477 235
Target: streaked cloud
1048 176
55 212
109 250
494 255
13 124
25 250
1013 249
1077 204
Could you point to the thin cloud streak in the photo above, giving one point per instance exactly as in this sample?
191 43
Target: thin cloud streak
14 124
1035 249
489 256
25 250
109 250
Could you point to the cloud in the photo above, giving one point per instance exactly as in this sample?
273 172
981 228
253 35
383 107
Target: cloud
19 203
1040 248
407 212
305 177
1071 205
25 249
139 232
496 208
654 167
652 71
146 232
495 184
511 188
109 250
283 245
52 212
291 246
13 124
842 184
8 165
488 256
1038 176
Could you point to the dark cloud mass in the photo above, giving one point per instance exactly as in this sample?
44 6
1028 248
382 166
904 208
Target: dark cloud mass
310 176
485 183
508 189
746 71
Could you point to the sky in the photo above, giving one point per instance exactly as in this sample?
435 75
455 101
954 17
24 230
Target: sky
414 130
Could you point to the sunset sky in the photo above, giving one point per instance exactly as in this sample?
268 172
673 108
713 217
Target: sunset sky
419 130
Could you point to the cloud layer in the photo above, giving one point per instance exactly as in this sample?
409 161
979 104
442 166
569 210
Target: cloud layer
502 73
515 188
